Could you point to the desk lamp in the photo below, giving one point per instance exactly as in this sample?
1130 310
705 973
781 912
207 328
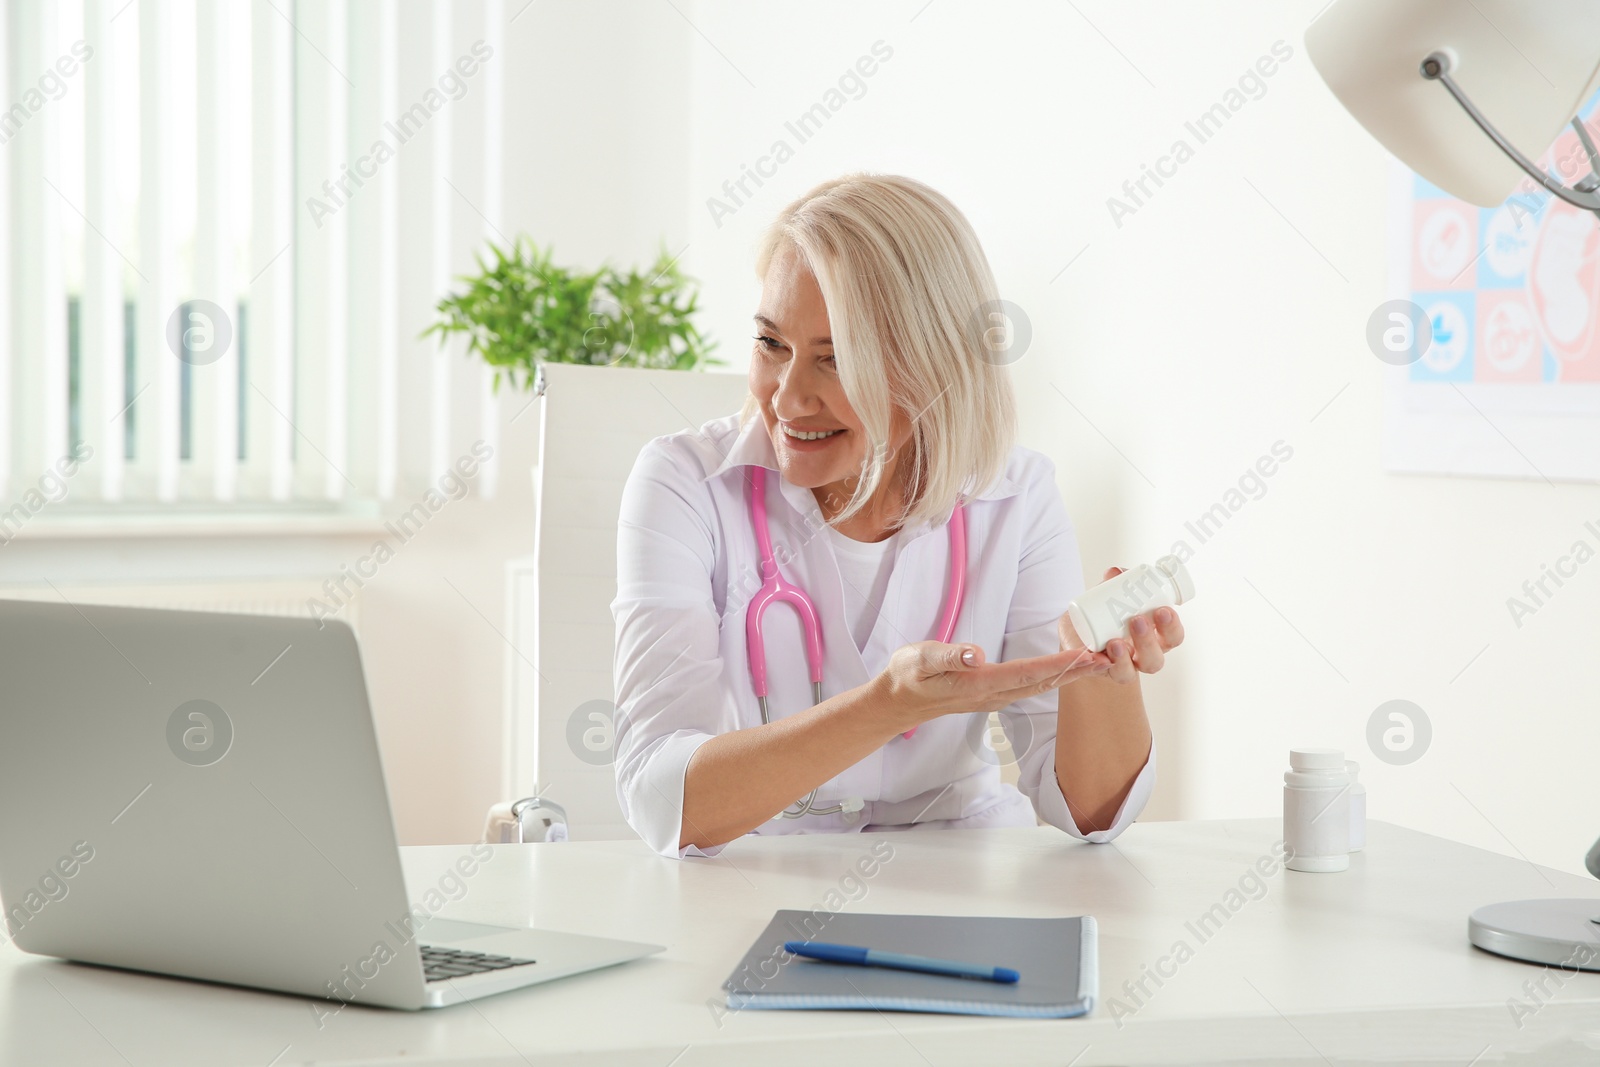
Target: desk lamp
1458 91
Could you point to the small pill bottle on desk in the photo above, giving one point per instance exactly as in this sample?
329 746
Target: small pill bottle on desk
1316 811
1358 807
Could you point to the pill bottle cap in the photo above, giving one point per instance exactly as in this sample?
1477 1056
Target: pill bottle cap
1316 759
1353 768
1173 567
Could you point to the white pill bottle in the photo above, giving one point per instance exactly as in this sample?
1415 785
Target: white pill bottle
1316 811
1104 612
1358 807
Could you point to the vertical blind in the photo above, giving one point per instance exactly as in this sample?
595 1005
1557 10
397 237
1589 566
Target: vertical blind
205 283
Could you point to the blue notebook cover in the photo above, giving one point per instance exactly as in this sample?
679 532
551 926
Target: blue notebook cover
1057 958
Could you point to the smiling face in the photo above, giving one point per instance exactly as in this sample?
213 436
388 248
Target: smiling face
794 375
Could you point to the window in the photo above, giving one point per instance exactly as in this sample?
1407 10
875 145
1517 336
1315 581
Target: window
209 296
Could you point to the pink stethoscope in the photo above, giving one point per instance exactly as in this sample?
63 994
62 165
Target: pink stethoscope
775 587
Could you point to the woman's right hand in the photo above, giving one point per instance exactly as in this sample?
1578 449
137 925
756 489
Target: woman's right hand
930 678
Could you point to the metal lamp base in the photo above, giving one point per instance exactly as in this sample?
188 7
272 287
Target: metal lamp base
1560 933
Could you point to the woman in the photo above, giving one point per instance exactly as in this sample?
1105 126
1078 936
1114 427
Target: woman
874 410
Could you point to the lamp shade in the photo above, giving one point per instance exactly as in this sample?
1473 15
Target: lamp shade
1527 66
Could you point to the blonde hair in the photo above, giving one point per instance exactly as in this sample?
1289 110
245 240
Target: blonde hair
909 292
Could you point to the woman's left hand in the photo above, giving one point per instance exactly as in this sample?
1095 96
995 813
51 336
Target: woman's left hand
1153 635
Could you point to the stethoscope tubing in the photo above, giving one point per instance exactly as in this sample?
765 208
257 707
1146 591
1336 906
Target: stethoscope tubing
776 588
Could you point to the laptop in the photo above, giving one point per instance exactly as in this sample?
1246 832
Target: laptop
201 795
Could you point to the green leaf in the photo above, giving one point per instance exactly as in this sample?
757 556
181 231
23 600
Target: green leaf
524 309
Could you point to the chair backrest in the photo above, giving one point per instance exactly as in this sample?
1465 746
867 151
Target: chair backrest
594 422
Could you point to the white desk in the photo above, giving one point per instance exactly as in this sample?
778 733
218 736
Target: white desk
1370 965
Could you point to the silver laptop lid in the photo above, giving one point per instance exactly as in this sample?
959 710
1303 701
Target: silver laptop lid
201 795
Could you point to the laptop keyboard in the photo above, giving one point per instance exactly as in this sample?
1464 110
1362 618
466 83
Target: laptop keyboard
442 964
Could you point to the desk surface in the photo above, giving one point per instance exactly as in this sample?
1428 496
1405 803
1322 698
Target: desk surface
1371 964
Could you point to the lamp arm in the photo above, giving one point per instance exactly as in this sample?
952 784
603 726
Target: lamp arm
1437 68
1592 182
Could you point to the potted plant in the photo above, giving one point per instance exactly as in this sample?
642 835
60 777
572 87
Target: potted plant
522 310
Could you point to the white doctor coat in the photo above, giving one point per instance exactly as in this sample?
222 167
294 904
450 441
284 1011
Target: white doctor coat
687 567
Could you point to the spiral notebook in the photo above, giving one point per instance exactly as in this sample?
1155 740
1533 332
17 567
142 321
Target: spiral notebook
1057 958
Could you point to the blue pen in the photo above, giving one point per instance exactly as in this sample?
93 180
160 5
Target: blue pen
871 957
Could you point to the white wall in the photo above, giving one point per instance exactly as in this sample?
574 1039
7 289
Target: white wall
1221 317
